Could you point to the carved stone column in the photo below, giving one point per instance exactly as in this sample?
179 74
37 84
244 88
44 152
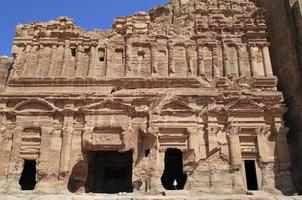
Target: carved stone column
31 61
243 61
59 61
153 60
201 65
197 142
127 68
6 137
225 58
15 163
215 57
236 158
26 55
212 136
44 60
262 147
239 57
235 147
78 62
52 66
45 142
34 58
66 144
193 144
267 61
44 159
189 57
253 56
19 62
171 64
157 167
92 64
67 55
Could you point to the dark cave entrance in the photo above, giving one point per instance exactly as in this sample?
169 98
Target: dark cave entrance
173 170
28 176
251 175
109 172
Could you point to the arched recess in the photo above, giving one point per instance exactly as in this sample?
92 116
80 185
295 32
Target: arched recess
34 105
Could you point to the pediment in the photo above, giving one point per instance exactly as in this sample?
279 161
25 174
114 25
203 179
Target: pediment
34 105
109 105
176 105
216 156
245 105
215 160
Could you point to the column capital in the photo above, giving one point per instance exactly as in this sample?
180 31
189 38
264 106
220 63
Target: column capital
192 130
233 130
263 130
258 44
213 130
153 130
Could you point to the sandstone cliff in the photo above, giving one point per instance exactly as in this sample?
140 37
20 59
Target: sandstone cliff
284 22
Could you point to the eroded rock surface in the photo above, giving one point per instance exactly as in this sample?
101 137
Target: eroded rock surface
183 97
5 64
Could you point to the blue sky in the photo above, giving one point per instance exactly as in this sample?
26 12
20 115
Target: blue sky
88 14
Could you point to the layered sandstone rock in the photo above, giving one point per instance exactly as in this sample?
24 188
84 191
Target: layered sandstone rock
185 92
285 37
5 63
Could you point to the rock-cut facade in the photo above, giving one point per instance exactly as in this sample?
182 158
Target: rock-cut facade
180 98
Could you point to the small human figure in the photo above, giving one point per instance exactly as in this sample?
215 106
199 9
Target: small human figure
175 184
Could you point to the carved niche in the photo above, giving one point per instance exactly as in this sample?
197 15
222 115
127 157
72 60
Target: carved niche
248 141
30 145
173 138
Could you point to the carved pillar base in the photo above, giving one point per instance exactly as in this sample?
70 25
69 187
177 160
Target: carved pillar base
3 184
199 181
268 178
13 186
238 183
155 183
156 186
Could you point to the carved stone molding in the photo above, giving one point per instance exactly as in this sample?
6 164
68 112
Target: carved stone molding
103 138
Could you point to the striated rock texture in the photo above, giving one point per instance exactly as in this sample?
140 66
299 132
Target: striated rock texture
182 97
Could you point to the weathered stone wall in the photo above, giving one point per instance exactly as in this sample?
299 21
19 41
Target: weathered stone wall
191 76
285 27
5 64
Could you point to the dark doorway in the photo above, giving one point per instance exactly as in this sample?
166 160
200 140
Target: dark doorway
28 176
251 175
173 170
109 172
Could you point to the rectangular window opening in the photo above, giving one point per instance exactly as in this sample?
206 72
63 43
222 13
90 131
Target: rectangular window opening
73 52
101 54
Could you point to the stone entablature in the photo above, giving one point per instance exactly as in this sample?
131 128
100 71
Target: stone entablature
218 42
200 126
192 79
